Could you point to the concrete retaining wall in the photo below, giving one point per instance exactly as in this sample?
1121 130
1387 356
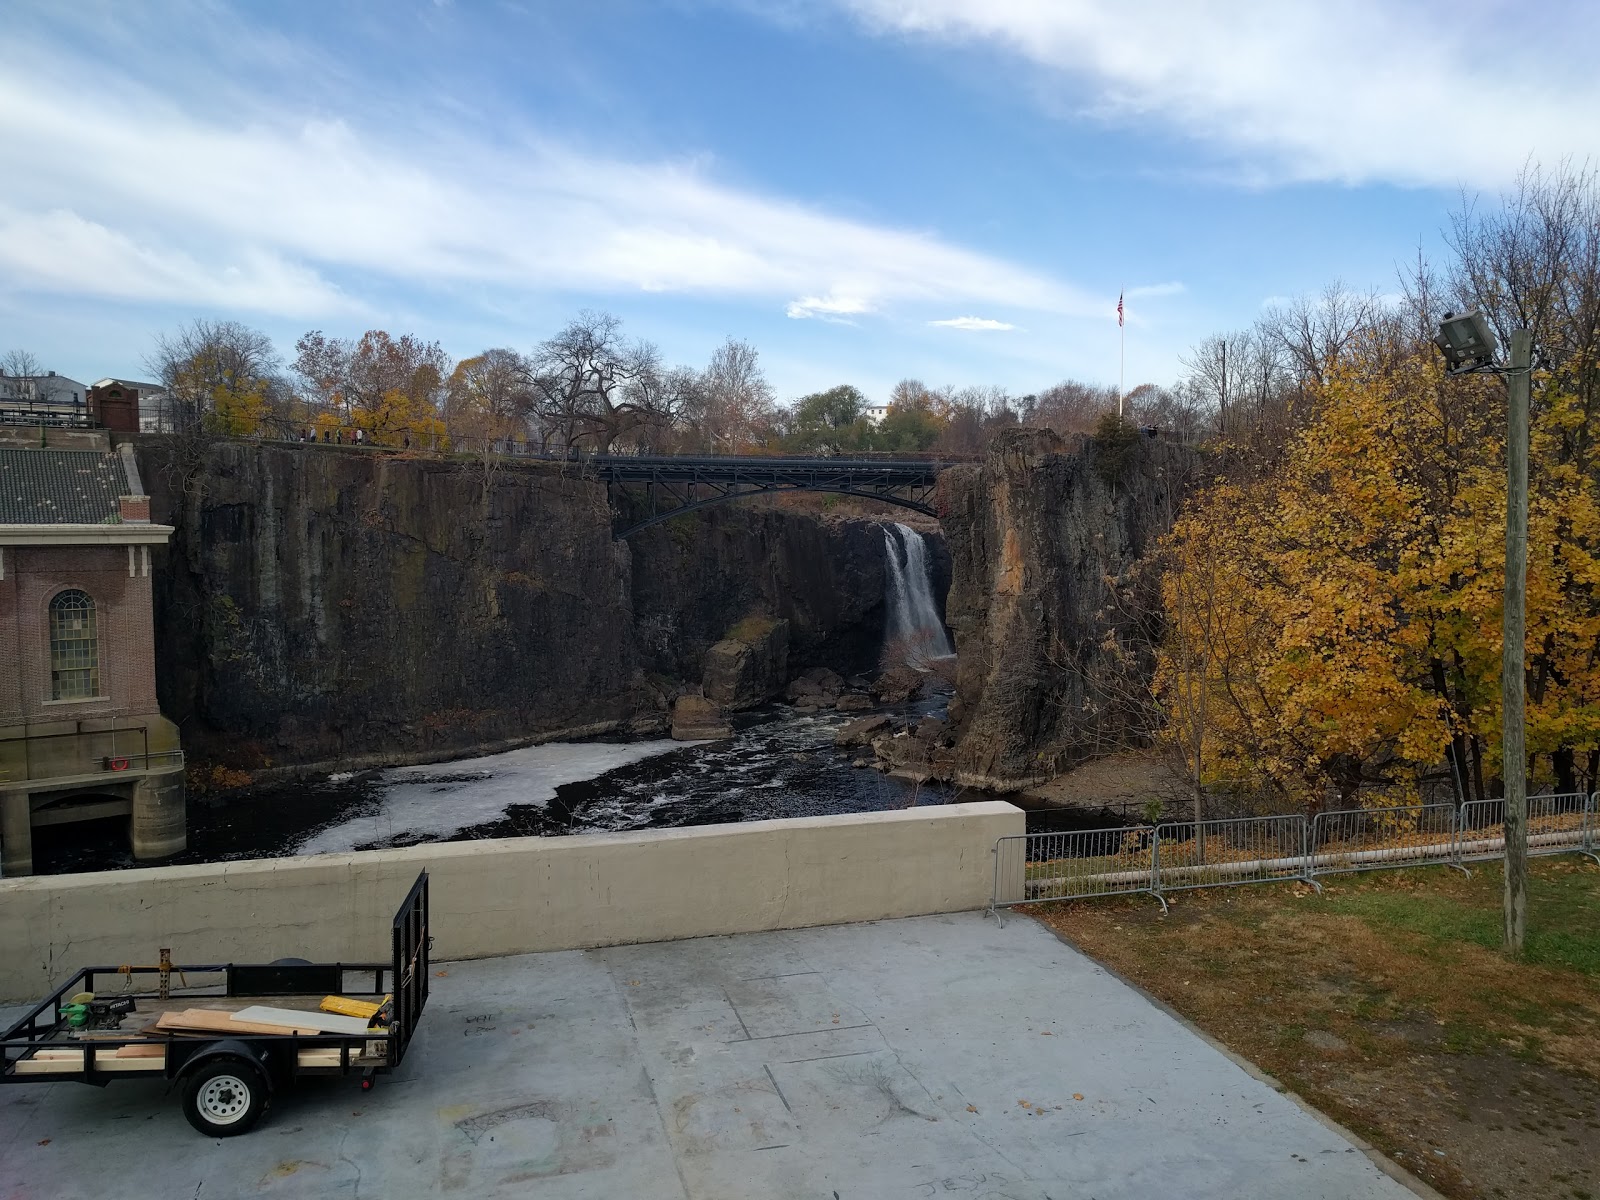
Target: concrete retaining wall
509 896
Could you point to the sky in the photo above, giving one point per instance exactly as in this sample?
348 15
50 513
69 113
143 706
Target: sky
866 190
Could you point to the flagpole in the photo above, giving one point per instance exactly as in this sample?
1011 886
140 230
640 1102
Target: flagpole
1122 365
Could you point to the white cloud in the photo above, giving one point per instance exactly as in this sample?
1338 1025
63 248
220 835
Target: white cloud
60 251
1156 289
832 307
974 323
1400 91
129 189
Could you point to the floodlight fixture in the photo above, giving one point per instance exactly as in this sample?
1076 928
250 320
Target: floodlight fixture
1467 342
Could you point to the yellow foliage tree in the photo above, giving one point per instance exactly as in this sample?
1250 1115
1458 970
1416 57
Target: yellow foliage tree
1334 625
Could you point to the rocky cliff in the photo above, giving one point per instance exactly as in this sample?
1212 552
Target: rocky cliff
1054 598
332 605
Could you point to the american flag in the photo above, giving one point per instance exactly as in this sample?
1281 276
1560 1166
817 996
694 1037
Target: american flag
1119 310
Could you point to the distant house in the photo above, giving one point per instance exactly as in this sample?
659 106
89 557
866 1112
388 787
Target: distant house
47 399
875 413
81 733
130 406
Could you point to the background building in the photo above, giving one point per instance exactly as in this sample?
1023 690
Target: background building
47 399
81 734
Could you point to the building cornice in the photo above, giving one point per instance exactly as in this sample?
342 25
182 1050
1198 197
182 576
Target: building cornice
115 533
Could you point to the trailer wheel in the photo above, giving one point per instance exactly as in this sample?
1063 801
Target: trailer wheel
225 1097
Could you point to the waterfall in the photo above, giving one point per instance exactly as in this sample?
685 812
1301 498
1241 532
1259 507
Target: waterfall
914 633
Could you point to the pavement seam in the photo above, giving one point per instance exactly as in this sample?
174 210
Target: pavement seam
1377 1157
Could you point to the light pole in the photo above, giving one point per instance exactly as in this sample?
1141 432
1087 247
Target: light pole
1469 345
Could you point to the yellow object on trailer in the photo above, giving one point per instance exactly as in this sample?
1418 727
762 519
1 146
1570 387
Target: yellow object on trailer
346 1007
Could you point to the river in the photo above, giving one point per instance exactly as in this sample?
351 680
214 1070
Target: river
781 762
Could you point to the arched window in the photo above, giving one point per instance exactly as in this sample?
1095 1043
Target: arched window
74 648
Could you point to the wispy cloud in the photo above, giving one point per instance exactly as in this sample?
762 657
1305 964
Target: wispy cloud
831 307
141 190
973 323
1155 289
1399 91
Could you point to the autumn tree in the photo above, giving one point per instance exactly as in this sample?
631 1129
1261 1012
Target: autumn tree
913 422
489 397
391 388
222 376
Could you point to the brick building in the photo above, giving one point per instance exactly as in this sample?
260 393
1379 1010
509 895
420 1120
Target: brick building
81 734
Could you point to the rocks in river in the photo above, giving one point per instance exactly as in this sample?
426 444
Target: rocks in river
861 732
694 719
820 688
747 667
933 731
898 685
853 702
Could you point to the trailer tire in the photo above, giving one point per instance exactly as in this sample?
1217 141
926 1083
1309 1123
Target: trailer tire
225 1097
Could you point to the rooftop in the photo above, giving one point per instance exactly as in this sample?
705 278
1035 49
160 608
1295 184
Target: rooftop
910 1058
60 487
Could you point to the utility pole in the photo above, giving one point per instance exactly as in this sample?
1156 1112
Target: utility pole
1469 345
1514 754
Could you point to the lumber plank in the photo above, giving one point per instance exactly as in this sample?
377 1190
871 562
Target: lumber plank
203 1020
326 1022
145 1051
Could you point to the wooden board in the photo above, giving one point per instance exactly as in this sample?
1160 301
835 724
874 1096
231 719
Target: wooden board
58 1062
321 1057
326 1022
210 1021
137 1051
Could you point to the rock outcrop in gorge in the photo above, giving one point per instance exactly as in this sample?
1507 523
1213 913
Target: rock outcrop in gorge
1054 599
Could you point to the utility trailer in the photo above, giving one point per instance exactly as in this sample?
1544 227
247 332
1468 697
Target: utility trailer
227 1078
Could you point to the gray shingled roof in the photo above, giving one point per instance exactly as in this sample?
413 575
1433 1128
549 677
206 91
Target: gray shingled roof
59 487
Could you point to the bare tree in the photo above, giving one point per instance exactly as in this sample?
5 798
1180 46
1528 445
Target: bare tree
594 389
20 364
736 401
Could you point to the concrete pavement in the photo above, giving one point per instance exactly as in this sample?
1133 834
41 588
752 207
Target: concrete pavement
926 1057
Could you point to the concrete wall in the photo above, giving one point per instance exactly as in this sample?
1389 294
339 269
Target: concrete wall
509 896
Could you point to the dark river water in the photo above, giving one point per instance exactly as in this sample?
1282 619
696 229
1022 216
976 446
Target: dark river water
781 762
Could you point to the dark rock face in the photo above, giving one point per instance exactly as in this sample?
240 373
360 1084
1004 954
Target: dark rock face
322 605
1054 600
695 578
749 667
318 604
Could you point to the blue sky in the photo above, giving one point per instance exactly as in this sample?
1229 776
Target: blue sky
865 189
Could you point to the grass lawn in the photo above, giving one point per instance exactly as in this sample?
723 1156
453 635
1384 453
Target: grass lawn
1387 1003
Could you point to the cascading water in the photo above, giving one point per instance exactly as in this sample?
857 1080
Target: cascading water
914 633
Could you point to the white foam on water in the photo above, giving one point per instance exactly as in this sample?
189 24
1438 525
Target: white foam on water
439 800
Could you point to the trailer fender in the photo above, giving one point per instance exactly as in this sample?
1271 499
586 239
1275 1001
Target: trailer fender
227 1048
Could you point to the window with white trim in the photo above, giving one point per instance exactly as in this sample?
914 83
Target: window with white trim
74 647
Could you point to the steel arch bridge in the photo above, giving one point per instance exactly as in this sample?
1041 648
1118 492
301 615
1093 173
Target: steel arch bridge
677 485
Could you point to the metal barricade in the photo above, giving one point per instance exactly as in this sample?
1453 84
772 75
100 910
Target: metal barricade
1229 851
1071 865
1560 823
1591 834
1374 839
